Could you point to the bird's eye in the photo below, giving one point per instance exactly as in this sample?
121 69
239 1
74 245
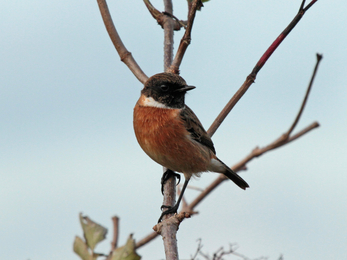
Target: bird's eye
164 87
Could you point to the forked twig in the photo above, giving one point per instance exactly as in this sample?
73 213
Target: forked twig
159 16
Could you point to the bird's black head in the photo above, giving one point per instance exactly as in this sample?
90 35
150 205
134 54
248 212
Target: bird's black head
166 88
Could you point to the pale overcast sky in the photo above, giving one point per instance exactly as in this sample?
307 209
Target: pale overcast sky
67 143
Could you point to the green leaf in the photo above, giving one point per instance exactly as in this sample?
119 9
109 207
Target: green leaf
93 232
126 252
81 248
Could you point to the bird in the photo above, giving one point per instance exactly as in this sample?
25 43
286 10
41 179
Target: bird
171 134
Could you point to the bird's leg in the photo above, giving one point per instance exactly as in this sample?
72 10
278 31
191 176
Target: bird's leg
167 175
171 210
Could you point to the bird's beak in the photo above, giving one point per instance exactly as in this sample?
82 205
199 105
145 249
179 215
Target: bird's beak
185 89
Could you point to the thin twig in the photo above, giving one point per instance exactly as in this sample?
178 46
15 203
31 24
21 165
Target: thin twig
123 53
146 239
153 11
197 250
319 58
185 41
251 77
281 37
114 243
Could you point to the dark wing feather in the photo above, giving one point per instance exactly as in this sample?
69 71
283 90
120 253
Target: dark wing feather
195 128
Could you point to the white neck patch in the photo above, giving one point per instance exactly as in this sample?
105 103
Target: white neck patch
150 102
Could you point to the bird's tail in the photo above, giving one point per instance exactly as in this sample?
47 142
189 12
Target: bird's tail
236 178
229 173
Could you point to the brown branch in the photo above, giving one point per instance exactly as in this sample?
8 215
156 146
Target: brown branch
146 239
251 77
123 53
168 35
154 12
159 16
319 58
114 243
168 229
232 102
185 41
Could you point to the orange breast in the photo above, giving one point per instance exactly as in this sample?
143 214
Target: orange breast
162 135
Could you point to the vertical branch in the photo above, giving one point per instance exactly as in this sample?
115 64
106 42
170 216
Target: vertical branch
185 41
114 243
168 34
169 231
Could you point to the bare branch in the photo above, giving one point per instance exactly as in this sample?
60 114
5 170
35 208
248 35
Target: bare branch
319 58
169 194
114 243
232 102
168 229
168 35
146 239
197 250
154 12
123 53
251 77
185 41
159 16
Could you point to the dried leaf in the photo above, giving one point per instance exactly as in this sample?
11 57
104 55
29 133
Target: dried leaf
93 232
126 252
81 248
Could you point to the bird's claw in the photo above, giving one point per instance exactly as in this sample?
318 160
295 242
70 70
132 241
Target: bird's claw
167 175
170 210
